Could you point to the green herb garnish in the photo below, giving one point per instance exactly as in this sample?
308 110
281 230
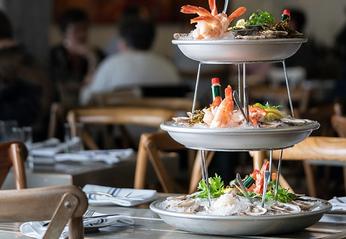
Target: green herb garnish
283 195
261 18
216 187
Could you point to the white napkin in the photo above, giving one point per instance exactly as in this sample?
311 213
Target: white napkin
100 195
47 143
96 220
50 150
338 203
107 156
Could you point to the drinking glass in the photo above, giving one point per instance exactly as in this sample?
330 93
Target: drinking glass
6 130
72 137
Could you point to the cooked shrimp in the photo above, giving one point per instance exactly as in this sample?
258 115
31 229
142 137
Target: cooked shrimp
210 24
256 114
259 178
216 102
223 115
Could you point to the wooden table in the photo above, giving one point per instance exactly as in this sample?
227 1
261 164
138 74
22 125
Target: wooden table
120 174
149 226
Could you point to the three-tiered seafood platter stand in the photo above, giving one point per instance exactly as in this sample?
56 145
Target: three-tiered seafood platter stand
241 52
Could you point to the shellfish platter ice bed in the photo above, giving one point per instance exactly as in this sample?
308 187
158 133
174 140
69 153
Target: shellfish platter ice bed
232 214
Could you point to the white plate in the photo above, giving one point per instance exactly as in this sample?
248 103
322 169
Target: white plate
233 139
241 225
232 51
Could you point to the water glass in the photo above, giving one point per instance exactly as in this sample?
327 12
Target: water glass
6 130
73 137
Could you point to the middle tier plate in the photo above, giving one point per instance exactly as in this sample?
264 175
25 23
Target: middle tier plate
238 139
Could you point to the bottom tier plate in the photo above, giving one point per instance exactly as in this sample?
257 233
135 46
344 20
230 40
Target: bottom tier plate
232 139
241 225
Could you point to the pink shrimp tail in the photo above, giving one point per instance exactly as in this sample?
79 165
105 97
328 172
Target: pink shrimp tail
229 96
237 13
212 6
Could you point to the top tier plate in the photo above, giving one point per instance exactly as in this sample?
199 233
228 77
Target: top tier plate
237 51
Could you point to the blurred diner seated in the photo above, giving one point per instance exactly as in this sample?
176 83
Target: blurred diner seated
73 61
20 88
135 65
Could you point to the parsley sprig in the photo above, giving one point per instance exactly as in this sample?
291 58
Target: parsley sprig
216 187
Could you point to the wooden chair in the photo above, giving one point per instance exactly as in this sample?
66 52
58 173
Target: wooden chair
122 115
133 97
178 104
339 125
326 149
56 117
13 154
60 204
150 147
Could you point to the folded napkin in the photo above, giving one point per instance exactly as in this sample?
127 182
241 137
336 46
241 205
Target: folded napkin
52 142
50 150
91 221
338 212
338 203
100 195
107 156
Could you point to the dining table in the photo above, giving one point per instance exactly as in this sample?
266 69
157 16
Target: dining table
148 225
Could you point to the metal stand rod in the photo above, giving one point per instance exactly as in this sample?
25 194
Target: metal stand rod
278 175
270 160
205 175
267 176
244 87
240 86
196 88
225 6
288 89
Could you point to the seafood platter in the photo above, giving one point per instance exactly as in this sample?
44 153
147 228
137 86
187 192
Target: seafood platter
255 204
258 38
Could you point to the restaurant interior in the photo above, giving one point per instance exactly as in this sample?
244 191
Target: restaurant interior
97 103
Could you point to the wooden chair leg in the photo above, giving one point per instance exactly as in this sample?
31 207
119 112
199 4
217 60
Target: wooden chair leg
160 170
89 141
282 181
309 174
344 169
196 170
141 164
62 215
76 228
258 158
18 166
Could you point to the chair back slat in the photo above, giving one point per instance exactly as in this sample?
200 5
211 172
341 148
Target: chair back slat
60 204
316 148
151 117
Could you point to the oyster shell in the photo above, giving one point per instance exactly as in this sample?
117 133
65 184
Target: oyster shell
255 210
305 205
285 208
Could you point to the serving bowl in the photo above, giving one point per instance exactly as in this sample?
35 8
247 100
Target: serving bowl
235 139
239 50
241 225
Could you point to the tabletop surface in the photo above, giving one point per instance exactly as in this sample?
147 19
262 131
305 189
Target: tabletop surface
149 225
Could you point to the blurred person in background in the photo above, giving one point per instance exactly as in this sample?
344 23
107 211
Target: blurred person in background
131 10
135 65
21 82
73 61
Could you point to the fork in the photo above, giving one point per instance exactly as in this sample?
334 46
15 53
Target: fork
89 212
